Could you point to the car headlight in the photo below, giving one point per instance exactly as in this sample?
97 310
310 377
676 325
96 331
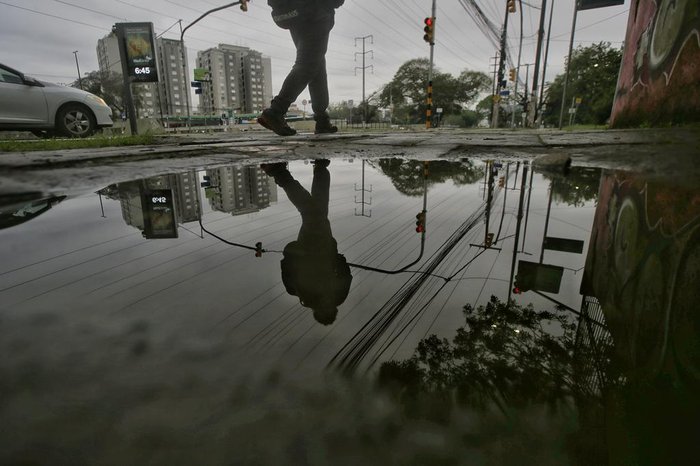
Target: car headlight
99 100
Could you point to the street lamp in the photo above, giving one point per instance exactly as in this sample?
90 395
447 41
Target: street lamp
80 81
244 7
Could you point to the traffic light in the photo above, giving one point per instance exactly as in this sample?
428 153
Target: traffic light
511 6
489 240
244 5
429 29
501 181
420 222
511 74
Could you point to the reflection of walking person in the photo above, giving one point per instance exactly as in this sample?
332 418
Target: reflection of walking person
312 269
310 23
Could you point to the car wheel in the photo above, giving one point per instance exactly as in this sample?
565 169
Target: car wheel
75 121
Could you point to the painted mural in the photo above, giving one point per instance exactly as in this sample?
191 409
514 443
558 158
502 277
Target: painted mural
643 266
659 80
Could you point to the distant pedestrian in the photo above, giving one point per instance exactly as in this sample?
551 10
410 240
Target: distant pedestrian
310 23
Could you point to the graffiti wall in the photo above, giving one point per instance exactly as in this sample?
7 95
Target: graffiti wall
659 80
643 266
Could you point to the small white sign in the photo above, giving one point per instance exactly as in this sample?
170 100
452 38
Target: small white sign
438 110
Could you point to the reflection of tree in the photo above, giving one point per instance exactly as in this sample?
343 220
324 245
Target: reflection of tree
407 175
506 354
577 187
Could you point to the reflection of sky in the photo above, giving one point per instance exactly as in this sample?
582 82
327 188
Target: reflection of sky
71 260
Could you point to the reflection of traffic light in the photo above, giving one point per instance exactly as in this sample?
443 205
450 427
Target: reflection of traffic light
501 181
420 222
429 30
511 6
244 5
511 74
517 290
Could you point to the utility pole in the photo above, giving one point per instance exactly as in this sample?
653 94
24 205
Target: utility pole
544 65
363 68
510 7
532 114
185 75
568 64
80 80
495 78
363 190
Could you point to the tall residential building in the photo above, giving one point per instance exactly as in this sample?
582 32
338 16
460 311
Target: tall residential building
173 76
240 80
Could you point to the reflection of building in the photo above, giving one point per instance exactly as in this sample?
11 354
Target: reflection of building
184 188
240 80
241 190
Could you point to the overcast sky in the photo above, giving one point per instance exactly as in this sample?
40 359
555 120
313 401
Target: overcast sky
38 37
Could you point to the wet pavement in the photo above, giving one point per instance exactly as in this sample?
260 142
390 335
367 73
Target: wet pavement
283 312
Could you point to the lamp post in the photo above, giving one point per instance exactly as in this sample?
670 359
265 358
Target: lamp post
80 81
244 7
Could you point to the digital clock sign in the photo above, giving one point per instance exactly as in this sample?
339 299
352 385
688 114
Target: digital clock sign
159 217
137 43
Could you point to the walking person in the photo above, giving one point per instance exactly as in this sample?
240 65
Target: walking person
309 23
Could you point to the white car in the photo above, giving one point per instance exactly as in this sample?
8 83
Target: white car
27 104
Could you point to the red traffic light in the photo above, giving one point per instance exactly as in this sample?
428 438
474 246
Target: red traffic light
428 21
517 290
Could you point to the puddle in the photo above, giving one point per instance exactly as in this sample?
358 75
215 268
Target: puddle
192 289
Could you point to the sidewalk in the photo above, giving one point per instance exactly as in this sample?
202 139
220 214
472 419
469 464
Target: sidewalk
606 148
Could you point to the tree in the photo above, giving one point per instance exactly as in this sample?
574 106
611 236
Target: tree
407 175
109 86
407 91
506 355
593 78
579 186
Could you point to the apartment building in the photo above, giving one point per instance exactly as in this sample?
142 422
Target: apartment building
240 80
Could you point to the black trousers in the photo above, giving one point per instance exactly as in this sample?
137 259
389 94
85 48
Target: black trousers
311 41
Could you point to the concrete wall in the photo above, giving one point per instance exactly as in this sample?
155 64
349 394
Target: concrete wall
659 81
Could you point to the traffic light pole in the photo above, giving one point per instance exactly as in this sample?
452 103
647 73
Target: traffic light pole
429 102
501 66
517 69
244 7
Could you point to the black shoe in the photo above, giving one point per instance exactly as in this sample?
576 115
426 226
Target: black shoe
276 123
325 127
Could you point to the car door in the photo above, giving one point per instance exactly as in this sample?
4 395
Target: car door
21 103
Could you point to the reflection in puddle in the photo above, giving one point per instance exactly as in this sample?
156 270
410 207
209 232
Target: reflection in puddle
462 287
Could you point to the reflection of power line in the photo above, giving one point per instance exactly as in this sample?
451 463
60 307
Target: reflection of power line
363 190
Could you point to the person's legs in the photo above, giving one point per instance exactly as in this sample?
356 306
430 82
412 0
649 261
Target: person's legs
311 41
298 196
320 186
